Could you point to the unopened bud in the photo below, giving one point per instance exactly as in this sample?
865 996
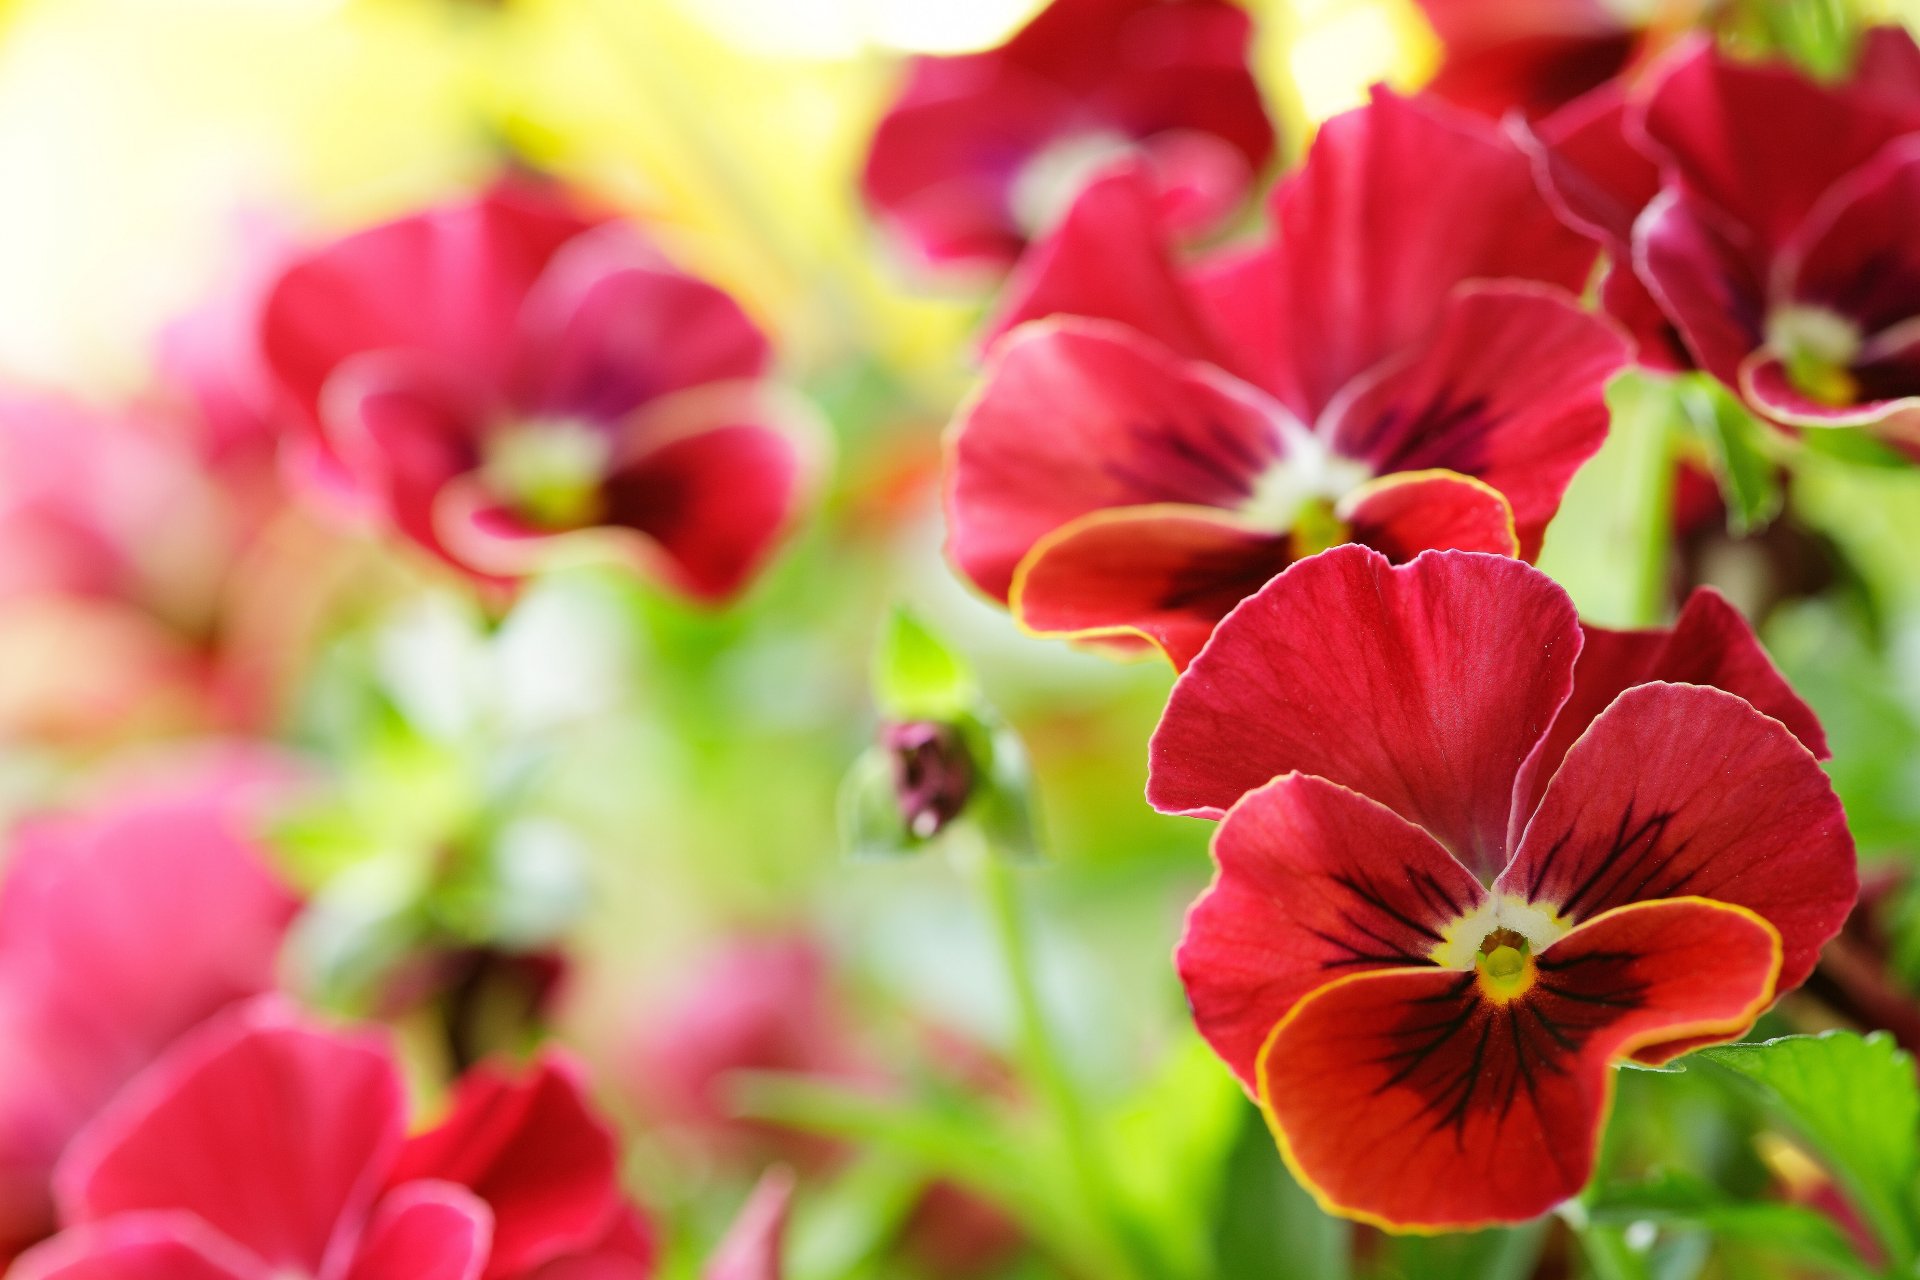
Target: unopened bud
933 773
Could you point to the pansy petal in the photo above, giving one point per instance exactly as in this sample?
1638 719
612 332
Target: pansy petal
752 1248
628 1252
1854 254
612 324
1314 883
1362 270
1501 57
1762 142
1889 397
1886 63
272 1132
1510 390
1422 686
449 281
425 1231
1403 514
1109 259
1705 284
1709 644
1412 1100
139 1246
534 1151
1168 573
1684 790
710 482
1077 415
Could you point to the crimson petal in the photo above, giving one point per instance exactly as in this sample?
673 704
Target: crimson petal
1413 1100
272 1132
1110 259
1403 514
1710 644
1686 255
139 1246
751 1250
1168 573
425 1231
1360 271
533 1150
1510 389
1422 686
1684 790
1075 416
1314 883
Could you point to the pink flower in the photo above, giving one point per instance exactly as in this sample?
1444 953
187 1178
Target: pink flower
266 1145
511 383
979 152
121 929
1401 363
1472 854
1755 220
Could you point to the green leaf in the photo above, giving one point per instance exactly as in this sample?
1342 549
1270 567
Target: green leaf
1481 1255
1749 479
917 677
1786 1231
1003 807
1857 1102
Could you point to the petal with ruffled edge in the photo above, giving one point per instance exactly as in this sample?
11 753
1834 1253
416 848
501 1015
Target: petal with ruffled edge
1684 254
612 324
425 1231
1075 416
1511 389
139 1246
1404 514
705 484
1314 882
1413 1100
447 283
1709 644
535 1152
1359 274
1110 259
1167 573
1598 179
1422 686
1682 790
1854 258
273 1132
1762 142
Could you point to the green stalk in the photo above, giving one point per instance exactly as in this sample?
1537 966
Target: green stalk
1041 1060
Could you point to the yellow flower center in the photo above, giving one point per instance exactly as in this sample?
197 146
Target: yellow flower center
1505 966
1818 348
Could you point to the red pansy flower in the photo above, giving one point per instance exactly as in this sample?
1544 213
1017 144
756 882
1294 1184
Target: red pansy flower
980 151
1400 364
121 928
265 1146
1535 56
511 383
1479 859
1779 243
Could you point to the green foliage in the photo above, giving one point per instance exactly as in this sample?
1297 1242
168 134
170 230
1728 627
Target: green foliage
1788 1231
1737 446
916 676
1856 1101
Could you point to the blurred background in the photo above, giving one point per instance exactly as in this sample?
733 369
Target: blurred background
621 810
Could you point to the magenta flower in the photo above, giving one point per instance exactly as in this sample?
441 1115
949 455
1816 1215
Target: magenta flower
511 384
265 1146
979 152
1401 363
121 929
1478 860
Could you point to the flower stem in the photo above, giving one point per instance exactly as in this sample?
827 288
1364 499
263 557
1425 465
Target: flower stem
1044 1067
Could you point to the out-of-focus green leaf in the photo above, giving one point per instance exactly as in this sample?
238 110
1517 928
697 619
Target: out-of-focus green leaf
1267 1224
870 821
916 676
1857 1102
1787 1231
1004 807
1167 1150
1749 479
1479 1255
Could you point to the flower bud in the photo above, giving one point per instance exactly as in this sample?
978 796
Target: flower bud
933 773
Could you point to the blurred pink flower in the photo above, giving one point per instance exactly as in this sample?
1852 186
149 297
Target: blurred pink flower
510 382
266 1142
121 928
